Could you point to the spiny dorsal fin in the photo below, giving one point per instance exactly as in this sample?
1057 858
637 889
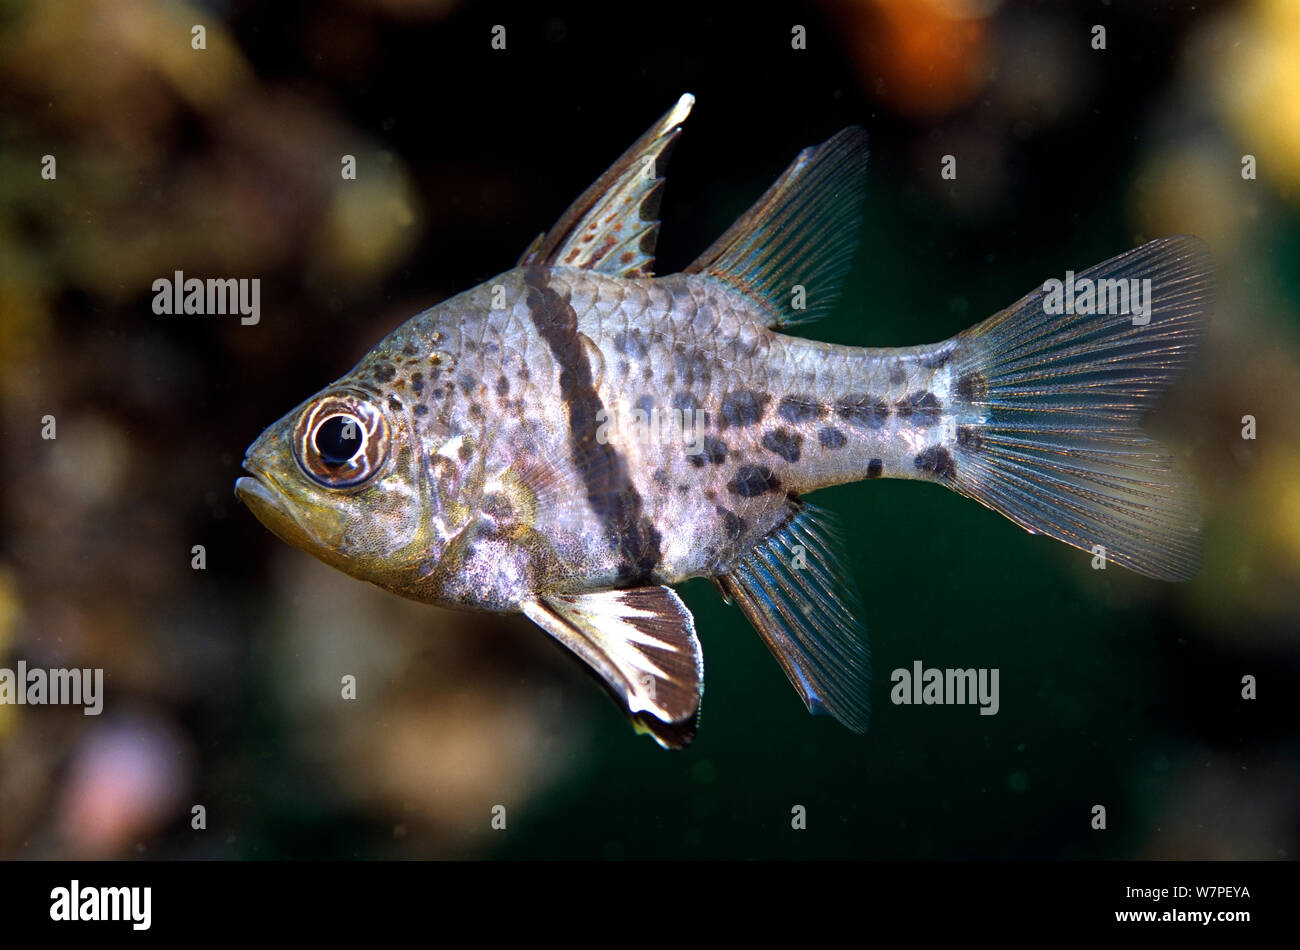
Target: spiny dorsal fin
642 644
797 593
613 225
801 233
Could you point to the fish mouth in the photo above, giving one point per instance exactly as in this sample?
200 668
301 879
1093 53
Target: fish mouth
270 506
253 492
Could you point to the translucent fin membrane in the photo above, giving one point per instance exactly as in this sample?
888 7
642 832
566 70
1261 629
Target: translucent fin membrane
1048 434
613 226
797 593
641 644
801 232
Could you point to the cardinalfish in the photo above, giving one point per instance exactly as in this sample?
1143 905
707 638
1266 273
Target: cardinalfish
574 436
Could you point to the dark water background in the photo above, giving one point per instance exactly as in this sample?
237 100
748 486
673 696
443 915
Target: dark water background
223 684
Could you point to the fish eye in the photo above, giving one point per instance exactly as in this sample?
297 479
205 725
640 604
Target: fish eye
337 440
341 442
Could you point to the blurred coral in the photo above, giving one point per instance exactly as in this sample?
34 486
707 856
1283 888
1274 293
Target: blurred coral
125 781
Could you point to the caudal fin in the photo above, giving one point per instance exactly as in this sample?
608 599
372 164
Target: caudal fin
1049 404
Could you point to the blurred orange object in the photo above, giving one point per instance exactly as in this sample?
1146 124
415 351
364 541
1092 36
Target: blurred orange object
923 58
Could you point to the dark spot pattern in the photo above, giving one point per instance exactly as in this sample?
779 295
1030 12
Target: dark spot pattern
421 409
968 437
503 386
923 407
936 461
393 403
743 408
800 409
465 452
863 409
784 443
691 366
972 386
417 383
753 480
896 372
937 359
685 401
711 450
732 523
874 468
830 437
631 343
384 372
466 383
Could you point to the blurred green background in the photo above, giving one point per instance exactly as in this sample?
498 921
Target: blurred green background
223 684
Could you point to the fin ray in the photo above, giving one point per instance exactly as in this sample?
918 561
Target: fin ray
641 643
802 231
809 616
1052 403
612 227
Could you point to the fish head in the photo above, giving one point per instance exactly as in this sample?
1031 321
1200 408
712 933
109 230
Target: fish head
339 477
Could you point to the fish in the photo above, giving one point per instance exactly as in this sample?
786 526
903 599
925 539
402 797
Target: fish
575 436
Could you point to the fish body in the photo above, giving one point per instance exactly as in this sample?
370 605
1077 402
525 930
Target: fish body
575 435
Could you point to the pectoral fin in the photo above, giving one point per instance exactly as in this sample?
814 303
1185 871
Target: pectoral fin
641 644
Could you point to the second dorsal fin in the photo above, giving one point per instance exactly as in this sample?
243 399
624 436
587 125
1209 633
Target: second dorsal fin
613 225
792 249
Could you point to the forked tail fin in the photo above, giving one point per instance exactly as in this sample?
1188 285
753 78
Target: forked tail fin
1048 404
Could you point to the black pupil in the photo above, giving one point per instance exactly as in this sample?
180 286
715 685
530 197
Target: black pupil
337 440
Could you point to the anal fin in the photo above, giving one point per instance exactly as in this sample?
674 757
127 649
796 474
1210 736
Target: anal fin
641 644
796 592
